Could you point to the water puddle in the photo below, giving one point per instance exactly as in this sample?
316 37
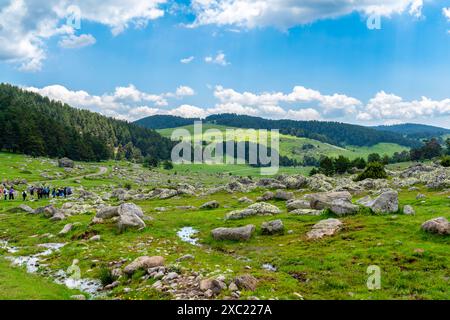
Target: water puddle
269 267
186 234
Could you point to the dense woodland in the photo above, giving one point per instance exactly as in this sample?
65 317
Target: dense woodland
165 121
35 125
415 131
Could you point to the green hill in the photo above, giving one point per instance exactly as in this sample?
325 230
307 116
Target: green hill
35 125
297 148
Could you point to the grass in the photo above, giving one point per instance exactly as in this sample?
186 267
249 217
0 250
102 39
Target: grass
332 268
292 146
17 284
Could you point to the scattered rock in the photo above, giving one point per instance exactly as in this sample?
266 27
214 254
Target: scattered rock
320 201
343 207
437 225
143 263
292 205
210 205
235 234
22 208
323 228
272 227
246 282
307 212
65 163
409 210
387 202
67 228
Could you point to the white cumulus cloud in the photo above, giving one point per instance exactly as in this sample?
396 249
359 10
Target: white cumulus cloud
26 25
284 14
72 41
219 59
187 60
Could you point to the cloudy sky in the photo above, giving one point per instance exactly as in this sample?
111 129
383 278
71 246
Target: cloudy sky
366 62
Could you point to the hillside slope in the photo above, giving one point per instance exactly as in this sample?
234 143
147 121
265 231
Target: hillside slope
35 125
335 133
297 148
415 131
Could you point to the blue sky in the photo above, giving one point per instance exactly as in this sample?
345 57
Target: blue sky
324 65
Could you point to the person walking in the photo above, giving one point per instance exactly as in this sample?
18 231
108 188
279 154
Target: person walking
5 193
11 193
24 195
1 191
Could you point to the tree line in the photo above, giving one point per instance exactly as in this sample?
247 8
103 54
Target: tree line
37 126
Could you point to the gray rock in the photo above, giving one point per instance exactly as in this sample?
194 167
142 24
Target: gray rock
323 228
22 208
107 212
298 204
67 228
143 263
234 234
246 282
65 163
272 227
343 207
283 195
387 202
409 210
307 212
437 225
320 201
210 205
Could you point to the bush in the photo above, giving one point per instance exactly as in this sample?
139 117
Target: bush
106 277
168 165
445 161
127 186
314 171
374 170
151 162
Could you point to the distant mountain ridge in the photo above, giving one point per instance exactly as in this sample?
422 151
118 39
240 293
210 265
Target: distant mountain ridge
415 130
335 133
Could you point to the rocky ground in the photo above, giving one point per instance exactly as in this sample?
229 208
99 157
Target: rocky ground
136 233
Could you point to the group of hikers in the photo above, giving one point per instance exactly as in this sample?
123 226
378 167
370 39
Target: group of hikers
40 192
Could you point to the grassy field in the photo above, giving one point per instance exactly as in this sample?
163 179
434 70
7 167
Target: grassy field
17 284
293 147
414 265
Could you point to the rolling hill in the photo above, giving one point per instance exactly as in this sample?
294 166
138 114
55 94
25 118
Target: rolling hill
335 133
297 148
415 131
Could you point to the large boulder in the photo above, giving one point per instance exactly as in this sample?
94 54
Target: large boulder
107 212
323 228
437 225
210 205
234 234
283 195
260 208
324 200
307 212
130 209
263 208
129 216
143 263
386 202
343 207
272 227
292 205
22 208
65 163
246 282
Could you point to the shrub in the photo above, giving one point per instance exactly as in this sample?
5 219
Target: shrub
374 170
127 186
106 277
168 165
445 161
